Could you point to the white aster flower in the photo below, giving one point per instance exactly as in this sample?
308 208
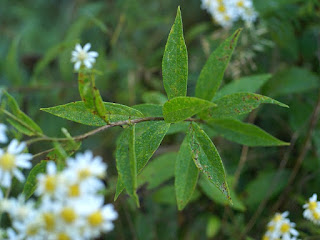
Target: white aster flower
48 183
19 209
82 56
287 230
3 136
86 166
312 209
11 160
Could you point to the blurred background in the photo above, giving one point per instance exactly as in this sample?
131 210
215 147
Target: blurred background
37 38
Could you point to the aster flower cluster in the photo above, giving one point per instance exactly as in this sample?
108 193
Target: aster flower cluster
69 204
280 227
312 210
226 12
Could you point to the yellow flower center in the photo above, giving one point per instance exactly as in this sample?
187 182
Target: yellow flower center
50 184
221 8
63 236
285 228
270 228
95 219
74 190
316 215
265 237
277 217
226 17
82 56
32 230
68 215
84 173
312 205
240 3
49 221
7 162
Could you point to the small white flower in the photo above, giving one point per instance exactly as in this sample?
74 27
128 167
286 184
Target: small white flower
48 183
20 209
3 136
82 56
312 209
287 229
10 162
86 166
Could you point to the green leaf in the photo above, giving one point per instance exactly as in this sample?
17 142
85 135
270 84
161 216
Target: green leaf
207 159
292 80
31 182
233 105
11 63
212 192
90 95
149 110
154 97
186 174
77 112
158 170
149 135
244 133
165 195
126 161
19 119
212 73
246 84
175 61
178 127
181 108
213 226
257 189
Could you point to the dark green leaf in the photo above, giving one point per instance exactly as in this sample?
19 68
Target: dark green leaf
207 159
19 119
246 84
149 135
244 133
175 61
212 73
126 161
186 174
154 97
212 192
292 80
181 108
77 112
149 110
158 170
236 104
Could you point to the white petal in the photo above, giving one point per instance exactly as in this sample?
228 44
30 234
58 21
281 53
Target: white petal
87 47
12 146
18 174
51 168
6 179
88 64
93 54
77 66
78 47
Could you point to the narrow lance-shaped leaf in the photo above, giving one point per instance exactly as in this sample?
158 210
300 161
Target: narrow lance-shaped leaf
244 133
77 112
126 161
149 135
180 108
211 75
236 104
207 158
20 120
175 61
186 174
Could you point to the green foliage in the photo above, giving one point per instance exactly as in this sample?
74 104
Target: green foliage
175 61
186 174
244 133
77 112
237 104
181 108
126 161
212 73
19 119
207 159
